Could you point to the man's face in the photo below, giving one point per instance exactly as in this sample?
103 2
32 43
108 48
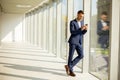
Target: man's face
80 16
104 17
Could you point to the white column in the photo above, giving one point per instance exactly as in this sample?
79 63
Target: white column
40 25
28 28
50 28
47 28
44 29
26 24
115 40
23 29
32 24
34 35
35 29
59 13
86 36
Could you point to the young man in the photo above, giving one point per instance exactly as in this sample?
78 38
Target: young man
77 30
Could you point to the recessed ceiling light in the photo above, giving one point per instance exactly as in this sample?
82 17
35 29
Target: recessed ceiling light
23 6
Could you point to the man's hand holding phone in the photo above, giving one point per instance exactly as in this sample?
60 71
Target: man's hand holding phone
85 27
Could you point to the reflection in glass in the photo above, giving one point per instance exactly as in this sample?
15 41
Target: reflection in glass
99 43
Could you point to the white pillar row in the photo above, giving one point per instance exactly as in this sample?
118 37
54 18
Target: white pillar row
23 29
47 28
50 28
30 19
44 28
40 28
35 28
32 27
28 27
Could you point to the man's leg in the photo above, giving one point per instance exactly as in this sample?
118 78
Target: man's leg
70 57
79 50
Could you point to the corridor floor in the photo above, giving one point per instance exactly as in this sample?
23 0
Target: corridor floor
26 62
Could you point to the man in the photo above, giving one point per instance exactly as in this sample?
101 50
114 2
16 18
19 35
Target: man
77 30
103 31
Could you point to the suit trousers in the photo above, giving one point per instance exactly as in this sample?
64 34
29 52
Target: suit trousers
72 62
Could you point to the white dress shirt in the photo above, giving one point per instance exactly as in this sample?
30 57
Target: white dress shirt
79 23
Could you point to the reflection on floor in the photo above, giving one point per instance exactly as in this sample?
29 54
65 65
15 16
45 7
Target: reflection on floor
26 62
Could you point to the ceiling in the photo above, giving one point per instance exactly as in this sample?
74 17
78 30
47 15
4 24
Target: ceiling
19 6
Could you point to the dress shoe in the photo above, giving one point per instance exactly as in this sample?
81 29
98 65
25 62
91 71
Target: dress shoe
67 69
72 74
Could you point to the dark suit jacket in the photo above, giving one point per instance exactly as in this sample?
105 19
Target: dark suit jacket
103 35
76 32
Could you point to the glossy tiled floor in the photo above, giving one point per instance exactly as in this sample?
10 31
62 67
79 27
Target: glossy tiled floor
26 62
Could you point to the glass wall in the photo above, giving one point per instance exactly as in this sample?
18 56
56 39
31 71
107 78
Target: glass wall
99 38
64 30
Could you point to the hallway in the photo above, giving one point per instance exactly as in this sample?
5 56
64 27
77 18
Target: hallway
27 62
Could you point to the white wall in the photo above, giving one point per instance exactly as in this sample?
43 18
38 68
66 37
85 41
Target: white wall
11 27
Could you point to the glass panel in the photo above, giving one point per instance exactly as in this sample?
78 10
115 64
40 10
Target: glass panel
78 5
64 29
99 42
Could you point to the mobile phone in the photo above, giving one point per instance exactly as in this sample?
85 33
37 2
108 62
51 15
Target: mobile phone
86 24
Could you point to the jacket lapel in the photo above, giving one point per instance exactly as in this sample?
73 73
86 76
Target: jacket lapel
76 23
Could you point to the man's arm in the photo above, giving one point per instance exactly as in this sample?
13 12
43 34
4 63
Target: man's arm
72 29
84 29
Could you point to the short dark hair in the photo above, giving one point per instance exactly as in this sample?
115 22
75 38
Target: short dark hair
80 11
104 13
